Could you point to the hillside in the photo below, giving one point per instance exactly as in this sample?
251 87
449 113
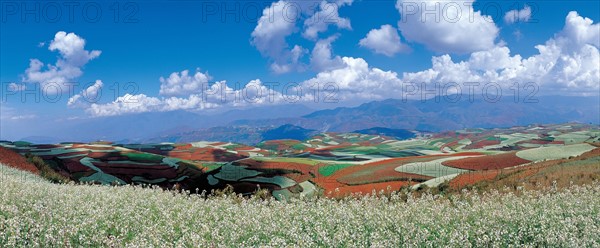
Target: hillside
560 173
15 160
330 164
539 184
35 212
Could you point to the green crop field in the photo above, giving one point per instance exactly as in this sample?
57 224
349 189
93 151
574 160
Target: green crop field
328 170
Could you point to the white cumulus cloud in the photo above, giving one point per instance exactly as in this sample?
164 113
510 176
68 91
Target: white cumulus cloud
269 37
217 95
281 19
322 57
87 96
384 40
446 26
514 15
328 14
568 63
67 68
355 79
179 84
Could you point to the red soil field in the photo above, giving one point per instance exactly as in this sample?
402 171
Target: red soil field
451 144
13 159
73 165
472 178
489 162
395 162
183 146
356 174
244 148
378 174
522 172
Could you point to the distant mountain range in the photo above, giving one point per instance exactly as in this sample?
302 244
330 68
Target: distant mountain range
443 115
296 121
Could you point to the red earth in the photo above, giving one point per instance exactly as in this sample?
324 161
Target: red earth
205 154
489 162
395 162
472 178
15 160
451 144
517 173
379 173
352 175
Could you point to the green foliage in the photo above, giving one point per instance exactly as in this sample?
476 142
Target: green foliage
262 194
144 157
299 146
442 189
46 170
328 170
228 190
21 143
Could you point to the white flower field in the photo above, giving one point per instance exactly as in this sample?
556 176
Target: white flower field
36 213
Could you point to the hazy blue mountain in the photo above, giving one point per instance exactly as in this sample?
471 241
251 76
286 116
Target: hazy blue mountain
443 115
147 126
288 132
250 125
238 134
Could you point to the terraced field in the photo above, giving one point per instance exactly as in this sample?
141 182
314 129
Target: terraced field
341 163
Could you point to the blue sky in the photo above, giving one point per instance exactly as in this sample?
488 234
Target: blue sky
150 40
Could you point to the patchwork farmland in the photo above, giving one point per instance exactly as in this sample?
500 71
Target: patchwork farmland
330 164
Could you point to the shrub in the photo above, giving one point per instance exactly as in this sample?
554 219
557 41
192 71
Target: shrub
45 170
